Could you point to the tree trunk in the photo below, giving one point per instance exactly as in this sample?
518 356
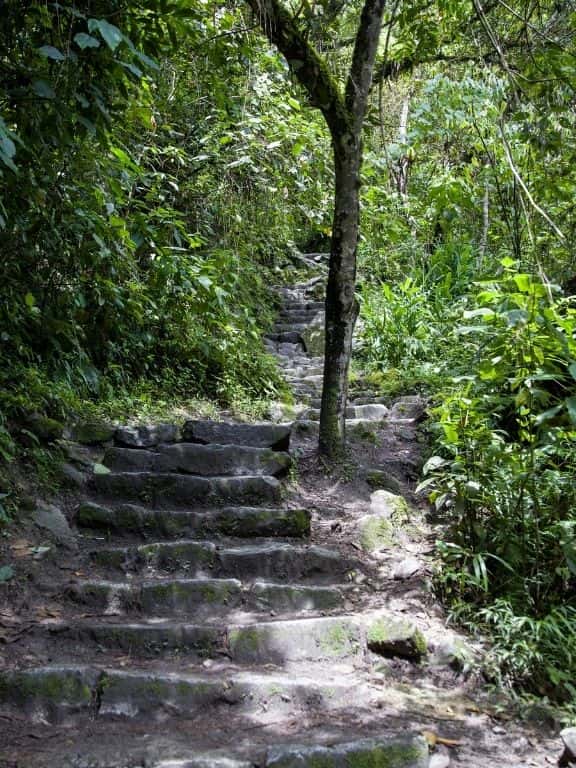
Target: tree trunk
341 304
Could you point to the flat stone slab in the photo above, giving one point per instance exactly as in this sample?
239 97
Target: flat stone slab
53 694
163 490
196 595
268 642
241 522
396 751
197 459
275 436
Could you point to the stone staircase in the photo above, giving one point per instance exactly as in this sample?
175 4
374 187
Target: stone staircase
201 626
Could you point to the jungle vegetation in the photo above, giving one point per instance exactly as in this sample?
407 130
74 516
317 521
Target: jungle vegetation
161 160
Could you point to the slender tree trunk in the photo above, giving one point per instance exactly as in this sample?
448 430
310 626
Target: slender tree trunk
341 304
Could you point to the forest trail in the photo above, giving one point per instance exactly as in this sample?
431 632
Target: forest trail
234 604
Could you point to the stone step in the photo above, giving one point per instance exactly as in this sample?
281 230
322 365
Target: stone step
60 694
322 639
163 490
275 436
204 596
269 561
387 751
286 337
291 327
197 459
248 522
301 305
370 412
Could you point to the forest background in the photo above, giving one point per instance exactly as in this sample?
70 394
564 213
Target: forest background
159 167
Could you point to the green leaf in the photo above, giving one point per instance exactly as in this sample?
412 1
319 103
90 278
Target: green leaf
572 370
100 469
84 41
571 407
111 34
50 52
30 300
6 573
43 89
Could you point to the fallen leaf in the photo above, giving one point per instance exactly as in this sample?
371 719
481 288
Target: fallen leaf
433 740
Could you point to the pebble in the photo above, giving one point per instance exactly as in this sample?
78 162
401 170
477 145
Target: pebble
440 758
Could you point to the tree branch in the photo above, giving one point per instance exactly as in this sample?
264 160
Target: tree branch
363 58
307 66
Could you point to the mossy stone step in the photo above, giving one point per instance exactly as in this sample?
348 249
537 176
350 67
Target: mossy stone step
275 436
279 561
54 694
173 490
203 596
387 751
267 642
242 522
197 459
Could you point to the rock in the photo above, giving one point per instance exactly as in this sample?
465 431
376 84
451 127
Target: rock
53 520
204 460
275 436
73 476
406 569
454 653
46 430
313 336
440 758
92 433
568 736
379 478
146 437
77 454
391 750
376 533
389 636
408 409
387 504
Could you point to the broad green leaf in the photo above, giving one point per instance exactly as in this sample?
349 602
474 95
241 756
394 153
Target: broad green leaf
572 370
84 41
110 34
50 52
30 300
43 89
571 407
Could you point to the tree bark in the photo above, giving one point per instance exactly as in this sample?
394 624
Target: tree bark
341 304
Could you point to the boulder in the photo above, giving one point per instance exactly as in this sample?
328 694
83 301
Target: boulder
92 432
51 519
389 636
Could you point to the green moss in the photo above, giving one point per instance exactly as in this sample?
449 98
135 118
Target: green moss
92 433
339 640
376 533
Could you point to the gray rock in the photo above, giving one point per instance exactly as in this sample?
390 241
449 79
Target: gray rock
568 736
397 751
440 758
146 437
409 409
73 476
406 569
276 436
379 478
390 636
52 519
